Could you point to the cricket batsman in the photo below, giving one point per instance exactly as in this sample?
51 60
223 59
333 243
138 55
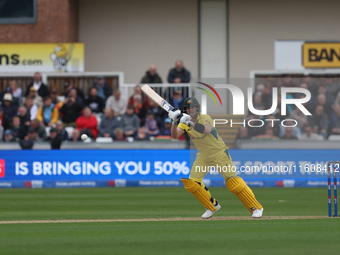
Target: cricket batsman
212 151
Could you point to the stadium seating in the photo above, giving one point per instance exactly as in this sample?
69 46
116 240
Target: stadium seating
334 138
104 140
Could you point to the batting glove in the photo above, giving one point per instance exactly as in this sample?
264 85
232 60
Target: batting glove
175 115
185 119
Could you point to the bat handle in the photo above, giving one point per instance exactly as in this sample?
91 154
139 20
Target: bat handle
191 124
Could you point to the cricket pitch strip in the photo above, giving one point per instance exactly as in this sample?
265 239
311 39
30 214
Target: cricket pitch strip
163 219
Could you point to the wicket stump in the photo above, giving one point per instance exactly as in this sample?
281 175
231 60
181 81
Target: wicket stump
333 169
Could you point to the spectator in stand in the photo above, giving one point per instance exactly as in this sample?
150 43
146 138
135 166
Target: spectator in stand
139 109
54 97
319 121
265 98
260 88
87 123
69 86
287 81
335 120
25 121
9 136
268 134
130 122
117 103
54 139
178 74
119 135
75 137
141 134
254 131
269 87
267 92
9 110
322 90
275 124
73 92
18 131
332 88
1 98
28 142
321 100
37 100
243 134
95 102
32 109
108 124
335 116
16 92
277 112
1 122
304 86
38 85
151 76
70 111
312 103
104 90
300 117
313 99
309 135
48 114
151 127
166 130
61 130
312 86
158 112
257 101
145 99
295 130
177 99
289 134
38 129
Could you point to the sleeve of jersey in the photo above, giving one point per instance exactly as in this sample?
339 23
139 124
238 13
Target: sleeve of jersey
207 120
184 127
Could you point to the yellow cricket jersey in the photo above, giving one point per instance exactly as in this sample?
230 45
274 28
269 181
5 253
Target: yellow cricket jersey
210 146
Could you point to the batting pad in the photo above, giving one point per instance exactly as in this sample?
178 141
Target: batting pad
199 192
243 192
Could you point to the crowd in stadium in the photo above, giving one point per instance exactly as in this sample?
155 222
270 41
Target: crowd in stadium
324 106
38 114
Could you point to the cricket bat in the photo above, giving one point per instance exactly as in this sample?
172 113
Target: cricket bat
158 99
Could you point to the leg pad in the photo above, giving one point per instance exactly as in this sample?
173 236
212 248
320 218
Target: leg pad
199 192
237 186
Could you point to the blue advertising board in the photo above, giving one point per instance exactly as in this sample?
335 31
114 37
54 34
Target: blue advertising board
150 167
91 167
282 167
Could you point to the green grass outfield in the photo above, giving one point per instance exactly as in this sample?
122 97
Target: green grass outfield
238 236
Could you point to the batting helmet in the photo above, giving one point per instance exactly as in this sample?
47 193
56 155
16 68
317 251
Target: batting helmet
190 102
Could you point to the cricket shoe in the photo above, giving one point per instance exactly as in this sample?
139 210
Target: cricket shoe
209 213
257 213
